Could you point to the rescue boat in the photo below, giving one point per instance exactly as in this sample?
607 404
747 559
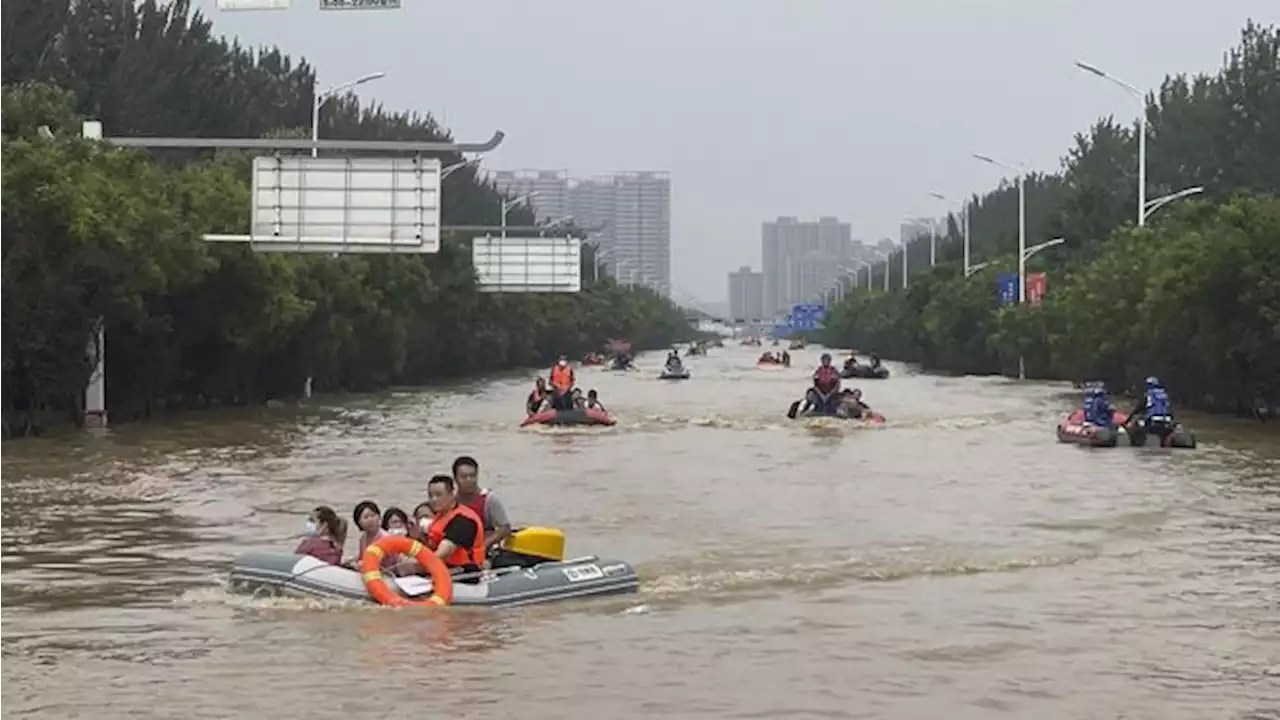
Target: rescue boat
570 417
1074 429
1181 437
864 372
532 570
871 417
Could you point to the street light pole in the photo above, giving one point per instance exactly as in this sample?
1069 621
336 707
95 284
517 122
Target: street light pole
597 256
1022 220
1042 246
965 213
1157 203
448 170
507 205
964 220
1142 133
1022 263
858 269
933 242
321 97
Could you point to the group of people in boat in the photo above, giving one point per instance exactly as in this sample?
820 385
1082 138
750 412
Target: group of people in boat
1153 410
674 365
827 397
851 363
558 391
463 523
771 358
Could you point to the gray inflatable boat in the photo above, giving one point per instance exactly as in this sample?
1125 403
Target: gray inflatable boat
302 575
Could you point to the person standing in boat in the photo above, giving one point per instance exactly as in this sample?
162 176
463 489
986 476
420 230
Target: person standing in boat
492 514
456 533
562 381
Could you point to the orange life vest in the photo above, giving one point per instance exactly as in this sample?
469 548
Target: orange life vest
827 378
562 378
460 557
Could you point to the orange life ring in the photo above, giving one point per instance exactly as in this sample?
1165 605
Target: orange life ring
371 571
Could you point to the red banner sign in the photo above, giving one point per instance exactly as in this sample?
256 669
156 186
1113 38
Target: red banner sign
1037 284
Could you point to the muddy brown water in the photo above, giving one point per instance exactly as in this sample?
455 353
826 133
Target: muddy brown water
955 563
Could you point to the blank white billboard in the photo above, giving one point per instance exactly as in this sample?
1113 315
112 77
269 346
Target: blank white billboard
369 205
528 264
253 4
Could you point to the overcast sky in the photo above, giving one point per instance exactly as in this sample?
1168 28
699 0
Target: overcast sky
760 108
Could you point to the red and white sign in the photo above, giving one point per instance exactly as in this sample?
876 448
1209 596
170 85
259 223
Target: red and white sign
1037 284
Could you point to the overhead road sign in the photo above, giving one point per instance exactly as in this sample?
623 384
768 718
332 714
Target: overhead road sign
355 146
308 204
253 4
359 4
528 264
806 317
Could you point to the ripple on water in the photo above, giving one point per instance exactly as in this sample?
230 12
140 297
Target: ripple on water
955 562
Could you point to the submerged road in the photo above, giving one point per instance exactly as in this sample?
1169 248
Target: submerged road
955 563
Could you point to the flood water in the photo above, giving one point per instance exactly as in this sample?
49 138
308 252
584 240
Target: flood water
955 563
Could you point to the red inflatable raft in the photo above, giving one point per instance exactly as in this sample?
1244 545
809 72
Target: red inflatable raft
569 417
1075 430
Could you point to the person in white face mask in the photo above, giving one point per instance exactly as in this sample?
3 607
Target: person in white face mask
396 522
422 516
324 537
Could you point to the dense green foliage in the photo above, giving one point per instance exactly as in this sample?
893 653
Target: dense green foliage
1193 297
91 231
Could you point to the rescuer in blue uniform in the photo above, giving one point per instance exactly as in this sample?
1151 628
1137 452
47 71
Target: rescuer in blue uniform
1097 410
1154 410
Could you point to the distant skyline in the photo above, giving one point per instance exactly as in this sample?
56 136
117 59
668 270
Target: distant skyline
630 212
857 110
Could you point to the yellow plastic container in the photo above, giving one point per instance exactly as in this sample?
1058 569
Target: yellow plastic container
539 542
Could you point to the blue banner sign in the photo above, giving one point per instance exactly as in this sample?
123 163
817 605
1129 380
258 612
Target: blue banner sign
1006 289
806 317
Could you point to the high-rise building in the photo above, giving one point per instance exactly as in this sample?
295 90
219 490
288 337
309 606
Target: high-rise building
551 201
629 214
746 294
632 212
800 260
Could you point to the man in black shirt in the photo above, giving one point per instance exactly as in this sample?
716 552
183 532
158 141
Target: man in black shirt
456 533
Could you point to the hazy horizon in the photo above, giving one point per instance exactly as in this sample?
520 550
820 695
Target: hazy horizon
854 110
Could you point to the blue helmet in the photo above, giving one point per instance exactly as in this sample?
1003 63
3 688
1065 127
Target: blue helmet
1096 392
1153 382
826 357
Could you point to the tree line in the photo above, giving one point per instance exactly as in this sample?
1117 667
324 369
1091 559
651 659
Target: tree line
1193 297
96 233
